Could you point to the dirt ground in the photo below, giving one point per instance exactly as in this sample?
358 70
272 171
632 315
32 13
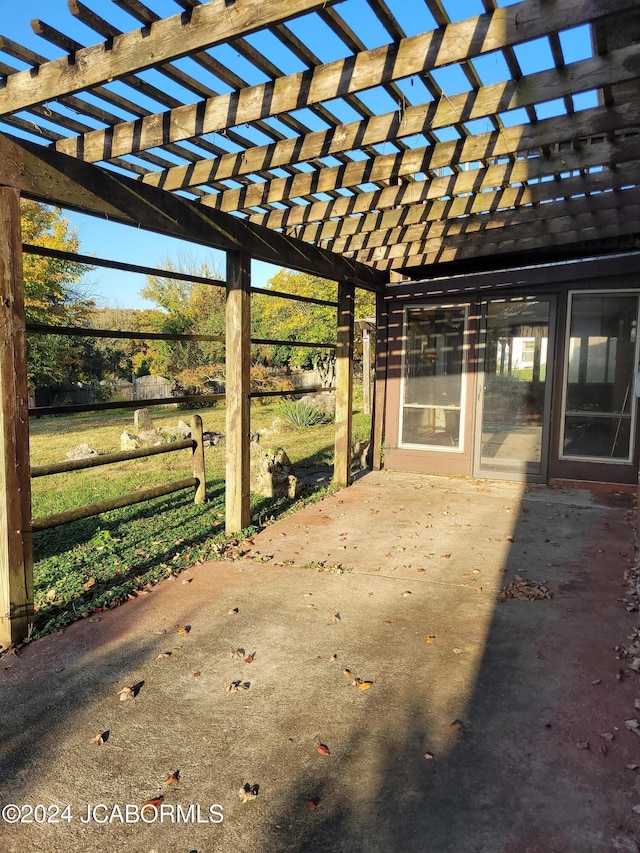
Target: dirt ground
392 702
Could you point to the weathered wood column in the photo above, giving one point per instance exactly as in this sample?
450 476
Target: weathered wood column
16 556
238 373
344 384
379 397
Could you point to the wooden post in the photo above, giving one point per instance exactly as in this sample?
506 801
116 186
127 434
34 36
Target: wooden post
344 384
16 556
238 372
198 460
379 399
366 371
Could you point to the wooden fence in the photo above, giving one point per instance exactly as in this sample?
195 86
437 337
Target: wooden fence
16 574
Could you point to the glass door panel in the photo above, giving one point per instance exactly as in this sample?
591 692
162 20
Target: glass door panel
601 362
433 377
514 392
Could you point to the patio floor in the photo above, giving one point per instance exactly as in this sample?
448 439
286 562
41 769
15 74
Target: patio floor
492 727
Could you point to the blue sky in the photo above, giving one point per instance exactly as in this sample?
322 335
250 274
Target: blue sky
115 242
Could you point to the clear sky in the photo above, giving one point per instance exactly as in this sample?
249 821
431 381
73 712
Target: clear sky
116 242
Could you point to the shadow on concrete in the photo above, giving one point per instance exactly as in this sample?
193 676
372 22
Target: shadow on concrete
503 699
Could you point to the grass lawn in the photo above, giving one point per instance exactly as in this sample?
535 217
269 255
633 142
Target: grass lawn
98 562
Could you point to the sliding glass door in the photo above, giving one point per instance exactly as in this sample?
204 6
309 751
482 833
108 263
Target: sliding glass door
599 408
514 389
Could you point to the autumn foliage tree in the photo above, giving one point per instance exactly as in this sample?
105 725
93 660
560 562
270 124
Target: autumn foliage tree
54 296
288 320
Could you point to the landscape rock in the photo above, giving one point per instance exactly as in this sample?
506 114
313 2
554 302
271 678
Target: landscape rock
272 473
130 441
325 401
82 451
142 421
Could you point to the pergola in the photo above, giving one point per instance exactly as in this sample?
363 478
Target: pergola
224 125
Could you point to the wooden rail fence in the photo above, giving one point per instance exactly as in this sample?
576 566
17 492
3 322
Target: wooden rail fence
198 481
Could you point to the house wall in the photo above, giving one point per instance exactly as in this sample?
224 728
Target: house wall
556 281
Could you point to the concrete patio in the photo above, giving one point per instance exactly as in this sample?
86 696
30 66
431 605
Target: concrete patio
481 732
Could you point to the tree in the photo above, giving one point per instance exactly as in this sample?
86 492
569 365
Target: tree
285 319
54 295
187 308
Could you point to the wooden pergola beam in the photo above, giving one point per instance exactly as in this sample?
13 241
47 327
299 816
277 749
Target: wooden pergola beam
568 230
415 55
317 215
472 150
336 233
469 106
445 219
46 175
171 38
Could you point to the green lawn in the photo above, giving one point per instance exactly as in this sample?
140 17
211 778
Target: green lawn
98 562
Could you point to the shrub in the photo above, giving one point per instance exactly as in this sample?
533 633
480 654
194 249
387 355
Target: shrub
301 415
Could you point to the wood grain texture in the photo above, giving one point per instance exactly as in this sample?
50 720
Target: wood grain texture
16 560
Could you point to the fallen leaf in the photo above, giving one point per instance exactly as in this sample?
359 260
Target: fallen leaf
596 681
237 654
88 584
333 658
406 593
363 685
237 686
347 672
183 629
429 756
336 617
248 792
249 658
457 651
154 803
125 693
312 804
322 749
99 739
583 744
632 766
173 778
234 611
196 675
430 639
164 655
607 736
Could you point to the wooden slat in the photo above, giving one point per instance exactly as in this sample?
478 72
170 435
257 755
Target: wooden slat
456 229
238 381
520 138
618 219
377 230
167 39
16 560
457 42
344 385
45 175
469 106
581 243
344 209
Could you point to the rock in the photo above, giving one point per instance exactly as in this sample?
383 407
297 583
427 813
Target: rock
142 421
325 401
129 441
272 474
82 451
183 429
360 452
